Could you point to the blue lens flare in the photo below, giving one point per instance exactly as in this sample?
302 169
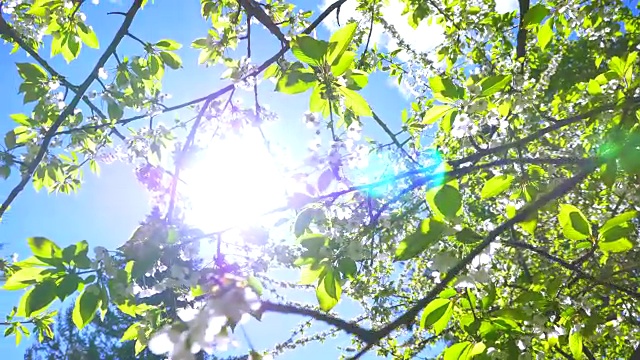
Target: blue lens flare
388 180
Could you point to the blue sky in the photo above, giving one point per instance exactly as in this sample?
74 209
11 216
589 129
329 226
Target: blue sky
107 208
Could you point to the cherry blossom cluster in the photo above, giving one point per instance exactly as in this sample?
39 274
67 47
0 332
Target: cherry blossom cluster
206 328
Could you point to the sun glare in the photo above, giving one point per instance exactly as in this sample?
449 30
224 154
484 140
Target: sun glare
234 184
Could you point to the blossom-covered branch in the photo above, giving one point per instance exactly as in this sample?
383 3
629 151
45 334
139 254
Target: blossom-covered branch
33 165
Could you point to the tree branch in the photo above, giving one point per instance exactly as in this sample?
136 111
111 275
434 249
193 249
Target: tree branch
72 105
11 33
348 327
393 137
574 268
216 94
410 315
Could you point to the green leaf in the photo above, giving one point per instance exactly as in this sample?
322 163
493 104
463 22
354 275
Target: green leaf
347 267
88 36
168 44
468 236
23 278
21 119
616 246
545 33
131 333
574 224
356 79
309 274
356 102
296 80
594 88
313 241
72 48
430 232
67 286
139 346
477 349
445 201
114 110
329 290
340 41
44 248
343 64
42 295
530 224
457 351
5 171
255 285
86 306
435 113
304 220
316 102
575 344
535 15
309 50
31 72
171 59
618 220
10 139
272 71
437 314
494 84
617 65
445 90
496 185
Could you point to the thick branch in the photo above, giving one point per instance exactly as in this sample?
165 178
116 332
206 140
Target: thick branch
348 327
72 105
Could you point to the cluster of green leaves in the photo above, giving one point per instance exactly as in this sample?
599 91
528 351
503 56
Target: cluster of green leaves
323 262
330 73
53 273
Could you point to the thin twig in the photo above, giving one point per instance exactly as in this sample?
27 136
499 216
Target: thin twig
393 137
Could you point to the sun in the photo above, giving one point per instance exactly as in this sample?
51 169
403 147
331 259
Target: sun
234 184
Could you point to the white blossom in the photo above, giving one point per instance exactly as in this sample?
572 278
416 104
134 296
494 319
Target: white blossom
102 74
205 327
463 126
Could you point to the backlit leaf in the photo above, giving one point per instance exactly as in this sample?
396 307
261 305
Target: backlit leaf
574 224
329 290
430 232
437 314
309 50
340 41
494 84
86 306
42 295
496 185
435 113
618 220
